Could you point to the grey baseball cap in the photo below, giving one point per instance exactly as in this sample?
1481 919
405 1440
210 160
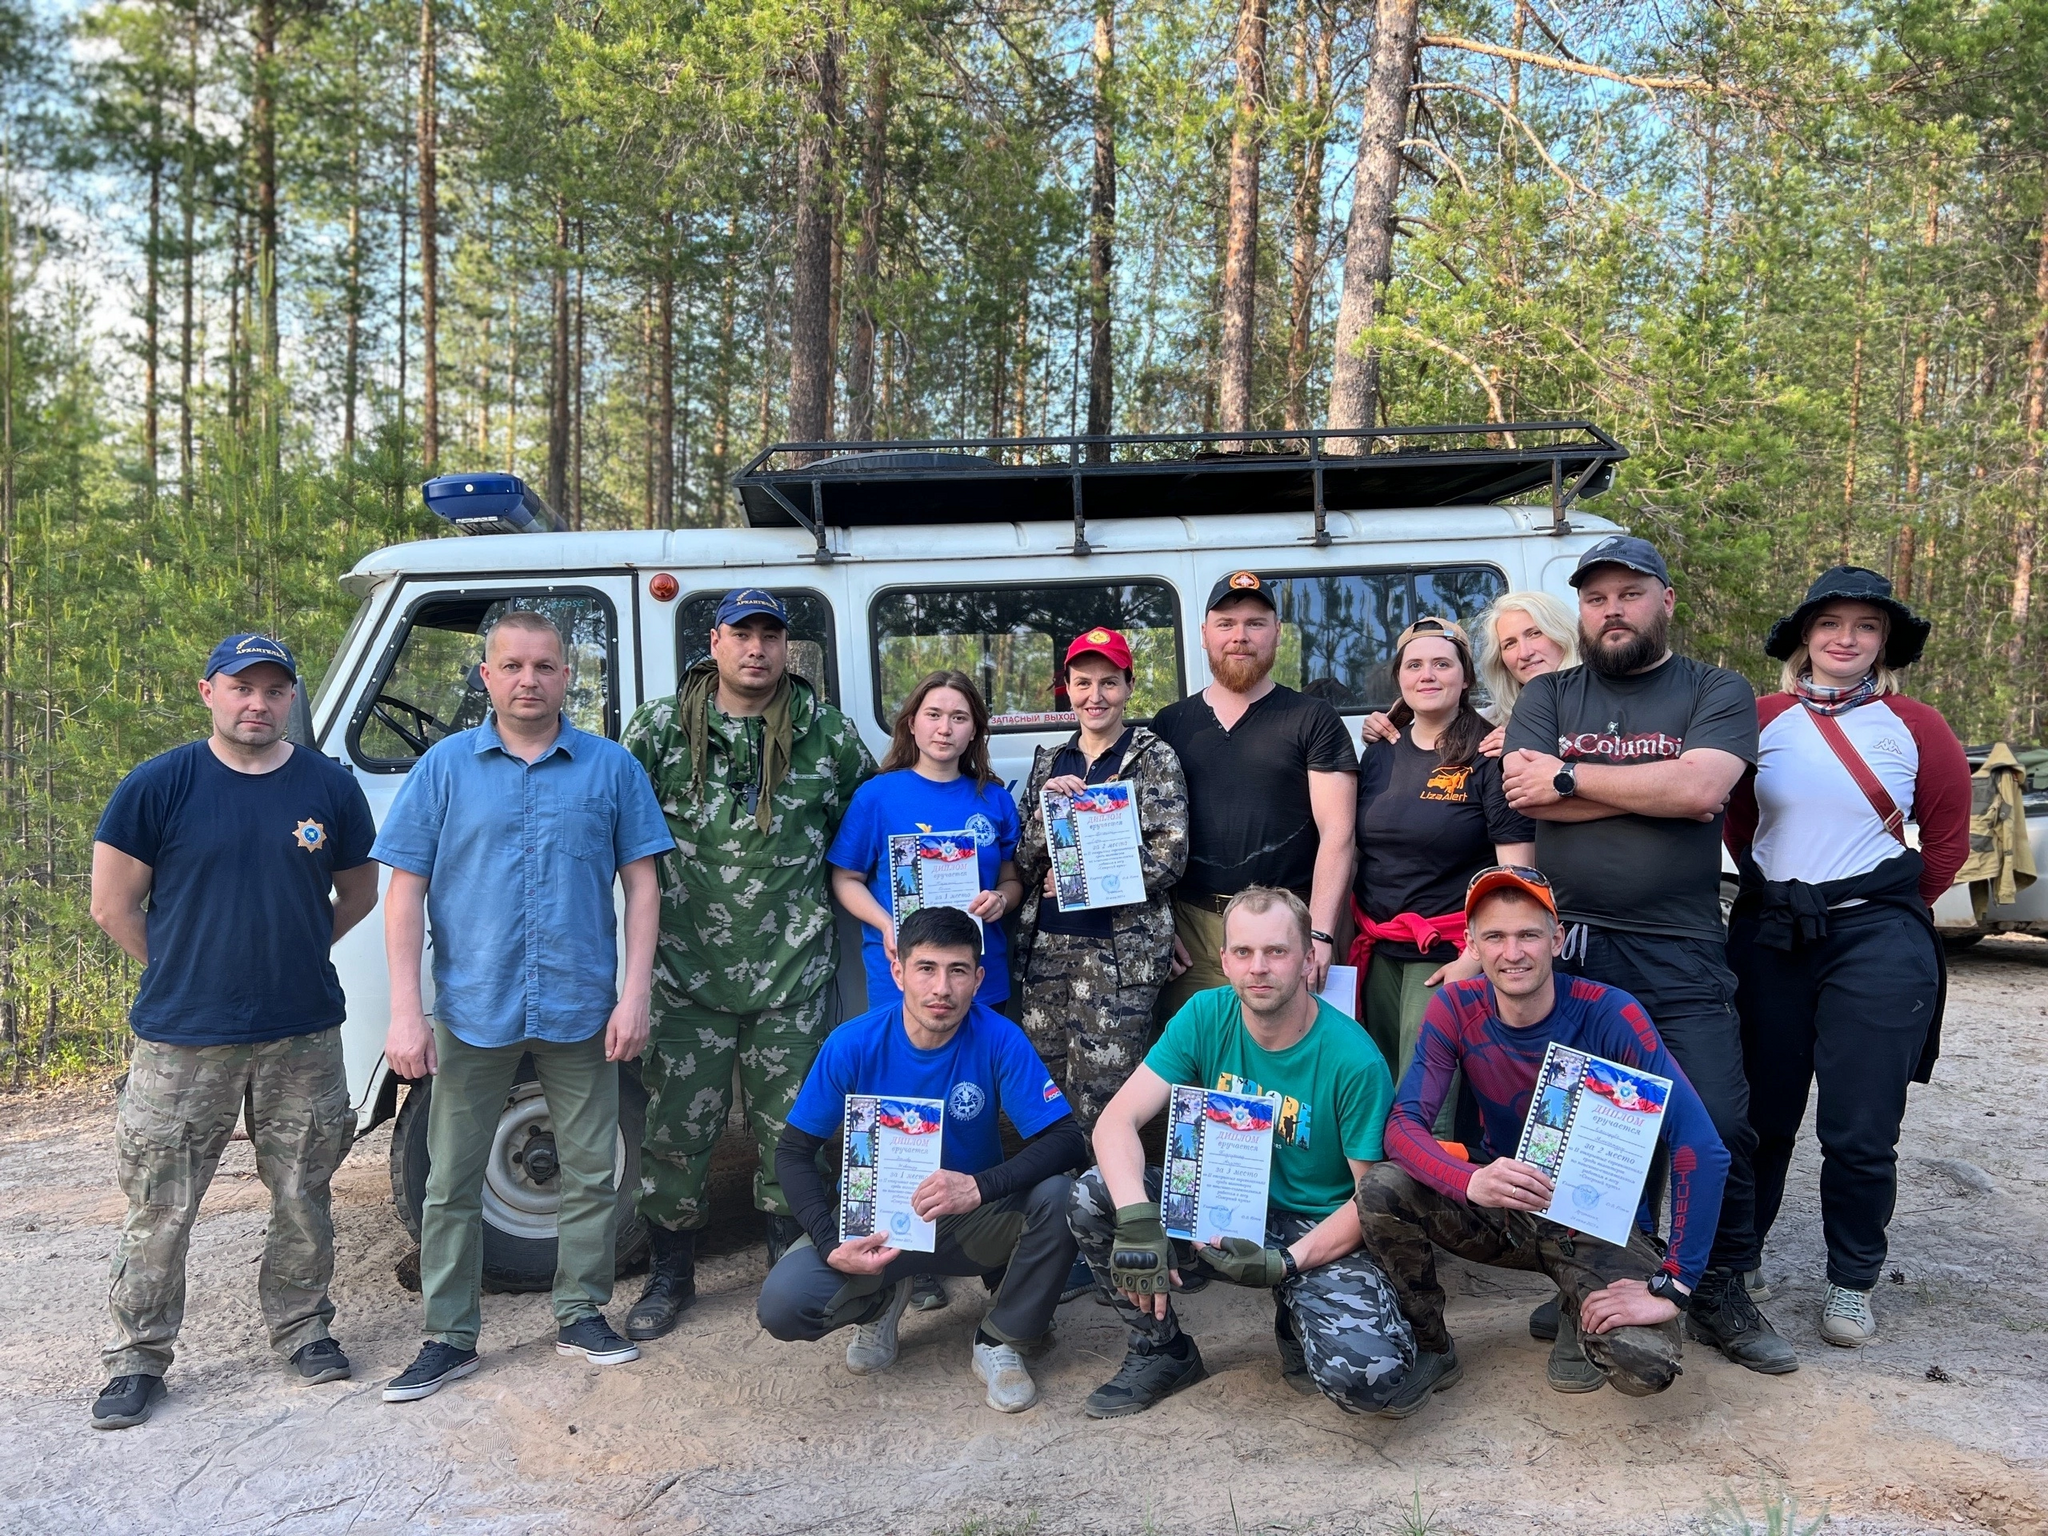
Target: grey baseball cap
1621 549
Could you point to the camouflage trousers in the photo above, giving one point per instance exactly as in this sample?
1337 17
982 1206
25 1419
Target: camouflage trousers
1343 1313
688 1072
176 1115
1401 1217
1089 1032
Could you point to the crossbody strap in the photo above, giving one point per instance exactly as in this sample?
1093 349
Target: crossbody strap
1873 788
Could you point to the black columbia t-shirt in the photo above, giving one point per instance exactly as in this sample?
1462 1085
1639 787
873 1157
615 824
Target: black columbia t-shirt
1425 828
1249 818
1640 874
240 921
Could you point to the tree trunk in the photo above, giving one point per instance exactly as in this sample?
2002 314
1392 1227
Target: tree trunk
721 403
188 203
263 124
665 383
2028 532
558 368
867 258
647 422
1241 243
512 382
430 249
1313 61
151 326
810 279
351 356
1369 238
1102 234
576 427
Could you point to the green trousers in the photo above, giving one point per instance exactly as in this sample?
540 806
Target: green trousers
582 1091
688 1072
1200 932
1396 996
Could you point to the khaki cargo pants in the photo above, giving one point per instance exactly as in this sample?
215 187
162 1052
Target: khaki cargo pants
176 1115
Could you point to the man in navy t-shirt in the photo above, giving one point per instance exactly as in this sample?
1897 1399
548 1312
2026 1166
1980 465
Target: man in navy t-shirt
1618 1319
990 1215
229 867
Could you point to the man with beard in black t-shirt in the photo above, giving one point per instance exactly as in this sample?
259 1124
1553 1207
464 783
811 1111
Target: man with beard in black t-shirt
1272 789
1625 765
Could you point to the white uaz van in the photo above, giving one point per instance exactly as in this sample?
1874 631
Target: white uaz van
893 560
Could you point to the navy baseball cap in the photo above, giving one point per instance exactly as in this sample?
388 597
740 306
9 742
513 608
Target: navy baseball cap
1236 585
238 652
749 603
1620 549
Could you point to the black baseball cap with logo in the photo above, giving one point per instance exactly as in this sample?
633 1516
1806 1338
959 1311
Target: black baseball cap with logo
1623 550
1240 584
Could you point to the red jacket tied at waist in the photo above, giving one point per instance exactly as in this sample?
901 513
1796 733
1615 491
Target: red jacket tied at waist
1423 932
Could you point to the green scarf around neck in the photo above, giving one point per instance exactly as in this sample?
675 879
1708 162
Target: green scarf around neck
778 734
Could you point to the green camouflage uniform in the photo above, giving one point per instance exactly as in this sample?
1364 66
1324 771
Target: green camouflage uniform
746 951
176 1115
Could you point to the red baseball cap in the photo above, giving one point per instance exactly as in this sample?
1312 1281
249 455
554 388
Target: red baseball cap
1510 877
1103 642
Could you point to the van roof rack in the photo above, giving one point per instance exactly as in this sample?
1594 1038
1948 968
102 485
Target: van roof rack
918 482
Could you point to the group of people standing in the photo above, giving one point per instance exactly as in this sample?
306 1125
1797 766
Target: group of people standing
1547 869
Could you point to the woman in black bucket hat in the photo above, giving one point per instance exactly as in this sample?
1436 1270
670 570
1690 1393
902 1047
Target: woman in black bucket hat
1839 971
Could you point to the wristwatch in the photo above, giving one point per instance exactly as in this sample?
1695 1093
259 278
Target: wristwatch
1322 938
1566 780
1664 1286
1291 1270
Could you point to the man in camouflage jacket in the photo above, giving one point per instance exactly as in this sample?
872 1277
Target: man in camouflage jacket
753 771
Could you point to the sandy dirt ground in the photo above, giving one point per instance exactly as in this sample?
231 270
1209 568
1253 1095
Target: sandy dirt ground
1942 1425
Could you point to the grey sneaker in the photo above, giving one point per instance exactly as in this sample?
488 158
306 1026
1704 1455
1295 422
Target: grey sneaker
1846 1318
928 1293
874 1344
1569 1369
1293 1358
321 1360
1429 1375
1001 1368
126 1401
434 1367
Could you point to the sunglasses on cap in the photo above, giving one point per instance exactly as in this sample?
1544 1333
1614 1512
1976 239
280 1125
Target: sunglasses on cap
1519 871
1449 629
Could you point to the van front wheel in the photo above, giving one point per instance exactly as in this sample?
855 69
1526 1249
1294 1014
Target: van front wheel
522 1185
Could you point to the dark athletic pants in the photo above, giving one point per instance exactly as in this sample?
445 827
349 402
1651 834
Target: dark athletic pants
1690 994
1852 1010
1401 1217
806 1298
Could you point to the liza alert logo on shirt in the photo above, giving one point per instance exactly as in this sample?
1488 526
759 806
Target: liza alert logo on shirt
310 835
1447 783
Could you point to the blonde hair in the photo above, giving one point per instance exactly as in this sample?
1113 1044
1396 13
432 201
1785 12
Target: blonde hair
1264 898
1800 662
1552 616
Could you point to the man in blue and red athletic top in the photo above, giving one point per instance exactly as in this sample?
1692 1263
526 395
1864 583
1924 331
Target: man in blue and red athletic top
1619 1319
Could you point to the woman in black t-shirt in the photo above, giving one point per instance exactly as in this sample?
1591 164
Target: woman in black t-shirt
1431 815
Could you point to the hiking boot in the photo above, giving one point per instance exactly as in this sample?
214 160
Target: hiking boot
1569 1369
1543 1321
1722 1315
1429 1375
321 1360
594 1339
927 1293
783 1234
1080 1281
434 1367
1759 1288
1148 1375
874 1344
1846 1318
1293 1358
671 1283
126 1401
1001 1368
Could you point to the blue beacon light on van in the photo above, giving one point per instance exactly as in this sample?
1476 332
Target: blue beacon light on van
489 503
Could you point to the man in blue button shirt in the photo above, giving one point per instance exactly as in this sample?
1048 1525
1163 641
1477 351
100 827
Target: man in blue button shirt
507 836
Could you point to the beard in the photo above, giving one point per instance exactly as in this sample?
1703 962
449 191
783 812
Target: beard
1641 648
1240 674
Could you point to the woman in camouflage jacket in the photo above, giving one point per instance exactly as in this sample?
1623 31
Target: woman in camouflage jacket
1091 978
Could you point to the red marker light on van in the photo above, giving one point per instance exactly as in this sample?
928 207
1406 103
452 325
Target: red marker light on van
663 587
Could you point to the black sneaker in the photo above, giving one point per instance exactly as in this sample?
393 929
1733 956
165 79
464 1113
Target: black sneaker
1080 1281
1722 1315
1147 1377
1543 1321
321 1360
592 1338
1429 1375
1293 1358
927 1293
126 1401
432 1368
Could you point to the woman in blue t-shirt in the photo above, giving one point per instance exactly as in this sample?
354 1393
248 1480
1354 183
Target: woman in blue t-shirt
936 778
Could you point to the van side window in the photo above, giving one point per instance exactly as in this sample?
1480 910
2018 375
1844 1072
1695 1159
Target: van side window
431 688
1337 628
1009 639
811 654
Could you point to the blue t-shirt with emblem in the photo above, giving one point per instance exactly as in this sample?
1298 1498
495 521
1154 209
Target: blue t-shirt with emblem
240 919
905 801
986 1068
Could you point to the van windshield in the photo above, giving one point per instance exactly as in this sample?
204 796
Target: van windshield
1010 639
331 678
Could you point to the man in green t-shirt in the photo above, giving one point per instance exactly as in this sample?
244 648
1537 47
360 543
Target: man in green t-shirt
1339 1328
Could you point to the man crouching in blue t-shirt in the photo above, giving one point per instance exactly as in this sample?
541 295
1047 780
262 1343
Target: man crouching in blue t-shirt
1618 1318
1266 1034
991 1215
